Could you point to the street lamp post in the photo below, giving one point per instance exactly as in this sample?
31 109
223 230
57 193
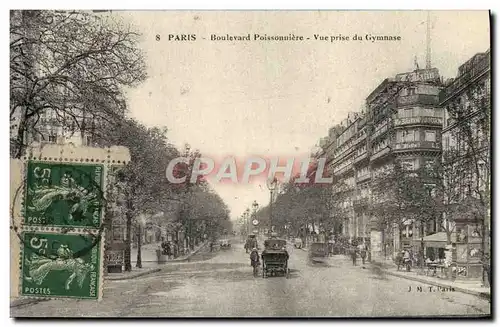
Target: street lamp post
255 206
247 220
271 185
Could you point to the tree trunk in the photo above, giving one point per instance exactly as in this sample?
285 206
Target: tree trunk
20 138
139 244
128 241
19 143
422 249
453 252
191 237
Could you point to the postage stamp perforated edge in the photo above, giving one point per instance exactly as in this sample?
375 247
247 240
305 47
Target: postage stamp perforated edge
109 157
41 297
105 167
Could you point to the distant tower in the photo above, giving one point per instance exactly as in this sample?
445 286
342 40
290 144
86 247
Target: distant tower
428 43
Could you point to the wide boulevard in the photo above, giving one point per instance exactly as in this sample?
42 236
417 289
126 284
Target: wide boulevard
221 284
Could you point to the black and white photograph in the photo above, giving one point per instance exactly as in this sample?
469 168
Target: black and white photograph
250 164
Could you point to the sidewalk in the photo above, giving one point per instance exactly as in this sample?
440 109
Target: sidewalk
464 287
150 265
147 268
136 272
16 301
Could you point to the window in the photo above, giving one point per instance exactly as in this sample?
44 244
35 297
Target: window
430 136
446 142
408 136
86 140
52 138
408 164
428 112
117 233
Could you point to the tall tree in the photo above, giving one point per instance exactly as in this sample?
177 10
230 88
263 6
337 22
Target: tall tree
471 153
145 187
73 65
405 196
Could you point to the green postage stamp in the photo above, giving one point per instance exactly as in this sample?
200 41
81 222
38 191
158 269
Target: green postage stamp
60 265
63 194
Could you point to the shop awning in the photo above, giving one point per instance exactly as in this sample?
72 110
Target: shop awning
437 240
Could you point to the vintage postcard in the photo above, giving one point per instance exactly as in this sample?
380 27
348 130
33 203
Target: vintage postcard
234 164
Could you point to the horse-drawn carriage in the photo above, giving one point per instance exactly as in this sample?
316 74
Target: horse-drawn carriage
275 258
318 252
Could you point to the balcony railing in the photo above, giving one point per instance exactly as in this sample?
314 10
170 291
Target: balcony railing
343 168
363 177
342 154
417 145
359 139
380 131
418 99
423 120
383 152
360 157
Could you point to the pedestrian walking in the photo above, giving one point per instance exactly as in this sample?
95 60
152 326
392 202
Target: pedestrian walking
353 255
399 259
168 250
163 246
363 253
254 261
486 267
175 250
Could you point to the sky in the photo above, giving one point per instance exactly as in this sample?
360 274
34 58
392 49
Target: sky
270 98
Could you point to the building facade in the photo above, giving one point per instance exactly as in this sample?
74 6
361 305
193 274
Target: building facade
401 121
466 100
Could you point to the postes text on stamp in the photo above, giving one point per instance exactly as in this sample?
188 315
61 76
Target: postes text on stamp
63 194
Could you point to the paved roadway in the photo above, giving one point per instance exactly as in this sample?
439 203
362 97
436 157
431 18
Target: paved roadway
221 285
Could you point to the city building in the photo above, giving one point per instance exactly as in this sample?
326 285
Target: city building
466 153
401 121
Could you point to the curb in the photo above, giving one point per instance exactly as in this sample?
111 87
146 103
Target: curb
153 270
456 288
188 256
139 274
27 301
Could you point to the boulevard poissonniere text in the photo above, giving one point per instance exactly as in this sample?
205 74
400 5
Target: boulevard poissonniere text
332 38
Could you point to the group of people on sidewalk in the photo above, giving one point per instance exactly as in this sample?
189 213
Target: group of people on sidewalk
170 249
358 250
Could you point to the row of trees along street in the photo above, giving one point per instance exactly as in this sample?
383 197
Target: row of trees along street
305 208
69 73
